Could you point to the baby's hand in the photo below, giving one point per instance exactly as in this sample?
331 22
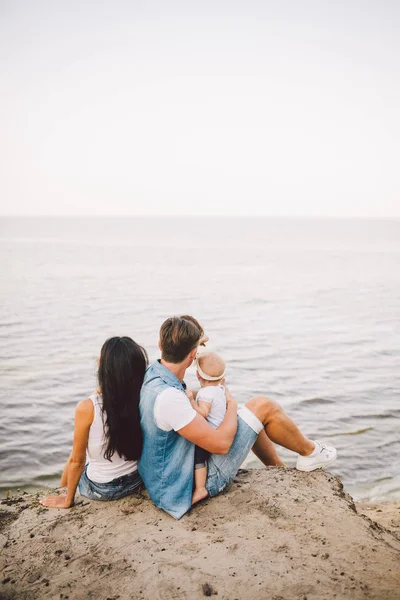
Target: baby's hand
229 398
203 341
190 395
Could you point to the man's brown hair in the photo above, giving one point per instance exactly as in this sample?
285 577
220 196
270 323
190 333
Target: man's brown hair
178 337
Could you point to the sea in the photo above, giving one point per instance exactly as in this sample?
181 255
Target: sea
305 311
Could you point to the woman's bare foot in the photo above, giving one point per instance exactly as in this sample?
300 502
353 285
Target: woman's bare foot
199 494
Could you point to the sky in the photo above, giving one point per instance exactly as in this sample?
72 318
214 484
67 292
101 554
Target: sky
275 108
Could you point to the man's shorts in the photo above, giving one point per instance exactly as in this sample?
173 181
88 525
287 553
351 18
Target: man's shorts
222 468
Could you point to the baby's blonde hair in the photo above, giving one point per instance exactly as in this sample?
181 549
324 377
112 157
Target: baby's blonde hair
212 364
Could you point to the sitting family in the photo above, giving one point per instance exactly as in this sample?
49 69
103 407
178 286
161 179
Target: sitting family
143 426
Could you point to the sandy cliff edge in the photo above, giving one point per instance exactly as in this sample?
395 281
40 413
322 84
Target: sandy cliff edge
276 533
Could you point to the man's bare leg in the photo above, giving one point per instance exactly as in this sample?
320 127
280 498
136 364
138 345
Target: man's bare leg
265 450
279 426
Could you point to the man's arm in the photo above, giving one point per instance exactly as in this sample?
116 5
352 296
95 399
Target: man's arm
216 441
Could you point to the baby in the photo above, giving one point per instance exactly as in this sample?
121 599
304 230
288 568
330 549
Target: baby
210 403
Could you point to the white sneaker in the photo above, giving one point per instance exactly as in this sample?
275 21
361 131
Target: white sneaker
321 457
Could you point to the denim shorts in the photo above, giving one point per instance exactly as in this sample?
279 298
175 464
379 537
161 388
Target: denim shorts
112 490
222 468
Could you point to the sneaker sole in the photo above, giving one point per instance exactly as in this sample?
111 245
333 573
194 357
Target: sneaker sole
315 467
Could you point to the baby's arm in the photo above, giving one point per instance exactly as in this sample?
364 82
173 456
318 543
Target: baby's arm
203 408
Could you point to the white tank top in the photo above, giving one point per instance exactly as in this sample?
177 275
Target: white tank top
99 468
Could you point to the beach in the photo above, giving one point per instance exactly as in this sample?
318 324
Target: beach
185 175
302 311
276 533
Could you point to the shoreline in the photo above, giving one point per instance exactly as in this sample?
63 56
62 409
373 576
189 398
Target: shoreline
276 533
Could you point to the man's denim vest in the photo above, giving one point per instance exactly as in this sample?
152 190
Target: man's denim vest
167 462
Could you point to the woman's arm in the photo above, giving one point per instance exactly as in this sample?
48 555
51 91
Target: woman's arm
84 415
64 476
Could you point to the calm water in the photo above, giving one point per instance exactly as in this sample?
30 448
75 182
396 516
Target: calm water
305 311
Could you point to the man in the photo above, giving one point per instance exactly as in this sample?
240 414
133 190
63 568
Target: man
172 428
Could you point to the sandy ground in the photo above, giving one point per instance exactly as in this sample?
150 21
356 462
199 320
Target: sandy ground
386 514
276 534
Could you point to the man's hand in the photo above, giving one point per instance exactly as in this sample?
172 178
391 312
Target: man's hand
55 501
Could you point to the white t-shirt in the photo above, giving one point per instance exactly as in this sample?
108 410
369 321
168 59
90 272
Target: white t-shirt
172 410
214 395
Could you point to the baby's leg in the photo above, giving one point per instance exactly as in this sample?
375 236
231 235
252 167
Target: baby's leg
200 477
200 474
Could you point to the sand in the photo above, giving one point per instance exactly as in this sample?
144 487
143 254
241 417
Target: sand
276 534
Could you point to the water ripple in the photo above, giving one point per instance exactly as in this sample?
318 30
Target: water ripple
298 313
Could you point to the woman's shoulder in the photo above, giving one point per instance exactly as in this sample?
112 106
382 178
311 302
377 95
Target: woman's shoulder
85 410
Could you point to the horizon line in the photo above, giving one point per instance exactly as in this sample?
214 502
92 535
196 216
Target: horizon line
207 216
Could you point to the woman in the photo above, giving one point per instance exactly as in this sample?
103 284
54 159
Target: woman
107 429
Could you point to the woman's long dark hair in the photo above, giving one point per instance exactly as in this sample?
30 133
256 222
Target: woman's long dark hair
121 371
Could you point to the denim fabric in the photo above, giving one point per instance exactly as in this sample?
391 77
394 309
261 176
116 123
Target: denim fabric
222 468
167 462
112 490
